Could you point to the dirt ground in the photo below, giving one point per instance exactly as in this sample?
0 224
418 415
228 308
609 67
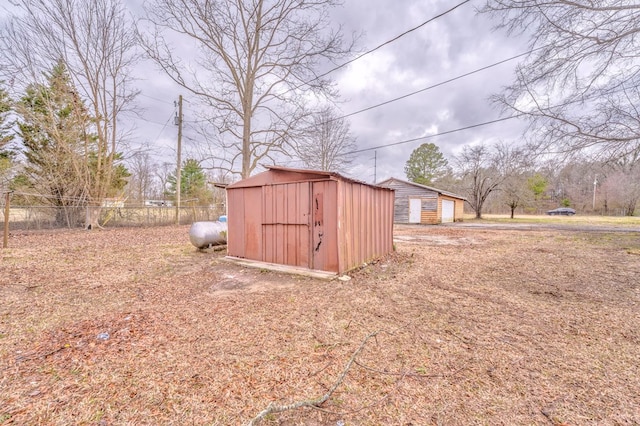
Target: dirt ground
474 326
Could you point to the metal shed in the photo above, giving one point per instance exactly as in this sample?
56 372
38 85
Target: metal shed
315 220
415 203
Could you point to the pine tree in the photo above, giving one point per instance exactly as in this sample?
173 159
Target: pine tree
193 183
60 147
5 126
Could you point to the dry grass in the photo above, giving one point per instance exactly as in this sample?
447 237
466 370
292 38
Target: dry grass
476 327
579 219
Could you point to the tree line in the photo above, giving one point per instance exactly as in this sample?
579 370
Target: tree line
502 177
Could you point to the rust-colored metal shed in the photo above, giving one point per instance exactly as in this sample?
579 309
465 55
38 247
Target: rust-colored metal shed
310 219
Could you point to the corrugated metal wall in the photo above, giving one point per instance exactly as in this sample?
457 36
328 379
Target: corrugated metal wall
244 225
285 224
326 223
366 224
325 226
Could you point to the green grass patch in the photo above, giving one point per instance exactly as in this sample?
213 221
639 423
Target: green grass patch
623 221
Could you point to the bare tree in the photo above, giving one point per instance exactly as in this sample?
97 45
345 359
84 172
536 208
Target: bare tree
142 176
484 170
95 41
258 60
580 86
163 173
327 143
622 184
514 192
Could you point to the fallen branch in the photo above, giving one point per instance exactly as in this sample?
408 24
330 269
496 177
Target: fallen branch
273 408
373 404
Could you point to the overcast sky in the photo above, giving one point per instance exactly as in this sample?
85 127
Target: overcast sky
457 43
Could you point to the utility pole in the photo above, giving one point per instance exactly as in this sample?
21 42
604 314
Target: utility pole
7 206
178 122
595 184
375 166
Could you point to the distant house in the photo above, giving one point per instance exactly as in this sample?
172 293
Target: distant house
158 203
308 219
415 203
113 203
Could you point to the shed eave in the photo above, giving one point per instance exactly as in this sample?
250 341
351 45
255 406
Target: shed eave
430 188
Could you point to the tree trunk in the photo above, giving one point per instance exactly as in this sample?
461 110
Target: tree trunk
92 216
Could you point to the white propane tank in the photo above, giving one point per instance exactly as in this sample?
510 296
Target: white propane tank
207 234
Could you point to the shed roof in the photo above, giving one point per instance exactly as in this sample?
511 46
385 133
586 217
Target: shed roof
430 188
285 174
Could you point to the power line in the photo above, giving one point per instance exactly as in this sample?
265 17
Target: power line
164 126
472 126
435 135
433 86
139 117
156 99
380 45
359 56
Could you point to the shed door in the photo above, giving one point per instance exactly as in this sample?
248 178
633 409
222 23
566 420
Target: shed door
415 210
448 208
285 227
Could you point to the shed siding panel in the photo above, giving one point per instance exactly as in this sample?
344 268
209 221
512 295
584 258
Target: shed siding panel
429 217
235 223
285 225
459 210
366 228
245 223
324 245
429 205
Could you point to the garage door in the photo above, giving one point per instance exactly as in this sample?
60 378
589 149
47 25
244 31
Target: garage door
448 208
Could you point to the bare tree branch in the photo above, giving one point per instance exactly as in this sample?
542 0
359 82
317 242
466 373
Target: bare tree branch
327 142
273 408
96 43
580 87
253 57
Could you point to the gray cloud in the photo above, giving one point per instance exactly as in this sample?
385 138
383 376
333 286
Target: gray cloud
455 44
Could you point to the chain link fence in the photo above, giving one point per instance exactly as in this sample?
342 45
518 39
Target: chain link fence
47 217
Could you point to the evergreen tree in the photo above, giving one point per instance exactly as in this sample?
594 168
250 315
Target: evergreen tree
5 126
59 146
54 130
193 183
6 135
426 164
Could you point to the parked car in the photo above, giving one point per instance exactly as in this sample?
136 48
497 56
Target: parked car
565 211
